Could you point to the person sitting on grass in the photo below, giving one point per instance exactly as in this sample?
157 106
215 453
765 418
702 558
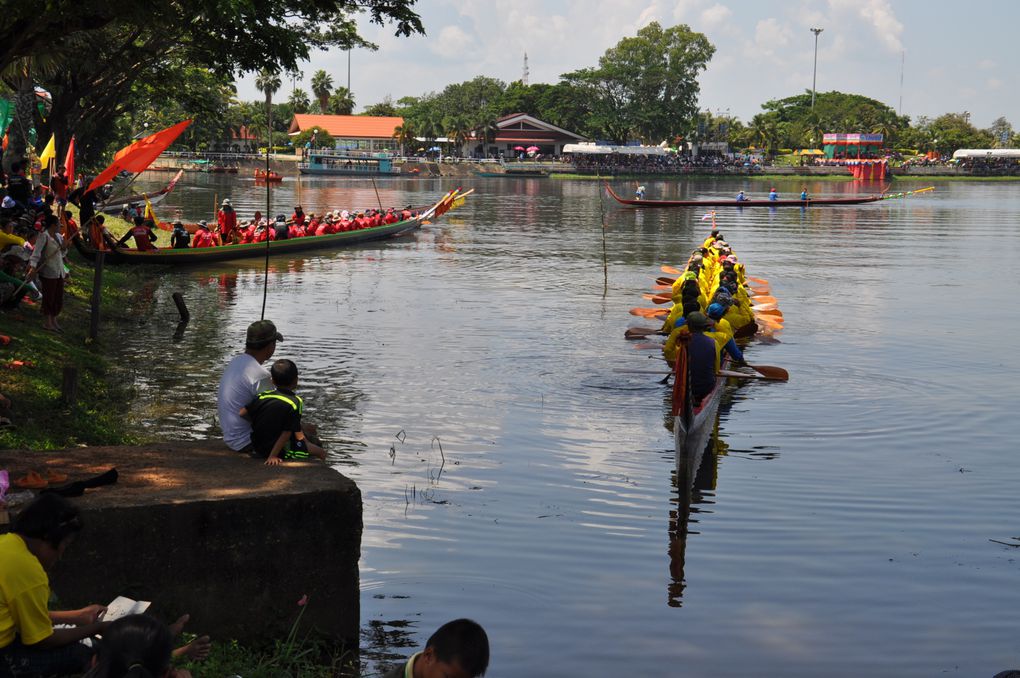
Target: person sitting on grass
458 649
29 645
276 419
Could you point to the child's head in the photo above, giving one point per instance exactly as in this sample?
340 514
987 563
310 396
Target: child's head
284 373
459 649
136 645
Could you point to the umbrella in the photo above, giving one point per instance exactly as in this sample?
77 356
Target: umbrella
139 155
531 149
518 148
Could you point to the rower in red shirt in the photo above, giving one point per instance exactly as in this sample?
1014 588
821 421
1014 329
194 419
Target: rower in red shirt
203 237
227 220
360 222
390 217
405 214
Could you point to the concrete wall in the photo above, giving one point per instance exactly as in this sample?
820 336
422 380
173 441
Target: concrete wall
199 529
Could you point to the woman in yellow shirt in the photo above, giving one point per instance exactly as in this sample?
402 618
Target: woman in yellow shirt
29 645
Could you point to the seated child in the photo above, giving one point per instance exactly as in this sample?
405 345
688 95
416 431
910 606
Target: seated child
459 649
276 419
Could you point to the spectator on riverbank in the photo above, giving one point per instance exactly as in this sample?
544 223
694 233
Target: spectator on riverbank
243 379
29 645
458 649
275 416
47 262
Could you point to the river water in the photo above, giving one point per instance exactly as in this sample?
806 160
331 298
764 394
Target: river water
467 379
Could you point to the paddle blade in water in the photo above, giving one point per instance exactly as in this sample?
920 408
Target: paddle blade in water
771 372
763 299
670 270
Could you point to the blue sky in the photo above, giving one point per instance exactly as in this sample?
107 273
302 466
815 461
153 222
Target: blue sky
959 56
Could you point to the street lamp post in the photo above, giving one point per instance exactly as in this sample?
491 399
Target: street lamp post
814 75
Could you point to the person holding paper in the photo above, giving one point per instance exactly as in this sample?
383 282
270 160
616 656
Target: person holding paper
29 645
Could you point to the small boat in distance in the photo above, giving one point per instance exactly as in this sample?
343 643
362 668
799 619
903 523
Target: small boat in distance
345 163
263 175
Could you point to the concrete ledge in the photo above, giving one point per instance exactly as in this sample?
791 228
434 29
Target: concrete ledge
196 528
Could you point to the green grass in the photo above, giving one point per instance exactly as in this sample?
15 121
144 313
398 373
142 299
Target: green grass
42 420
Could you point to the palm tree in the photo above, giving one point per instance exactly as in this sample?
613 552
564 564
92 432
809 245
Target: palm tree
299 100
322 85
342 102
405 135
268 82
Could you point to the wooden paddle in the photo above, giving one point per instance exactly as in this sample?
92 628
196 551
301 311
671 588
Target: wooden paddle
763 299
670 270
724 373
665 281
647 346
641 332
745 375
649 312
760 281
770 372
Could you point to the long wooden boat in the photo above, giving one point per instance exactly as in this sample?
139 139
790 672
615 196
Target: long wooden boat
192 256
116 205
730 202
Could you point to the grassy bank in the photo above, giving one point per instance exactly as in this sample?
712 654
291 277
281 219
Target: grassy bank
42 419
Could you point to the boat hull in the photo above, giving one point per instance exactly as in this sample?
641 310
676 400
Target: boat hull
197 256
345 173
690 439
730 202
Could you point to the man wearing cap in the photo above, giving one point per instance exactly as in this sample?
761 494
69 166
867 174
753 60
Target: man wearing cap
180 238
243 379
773 195
702 356
226 218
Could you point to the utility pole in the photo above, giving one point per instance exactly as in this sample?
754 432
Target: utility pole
903 61
524 75
814 76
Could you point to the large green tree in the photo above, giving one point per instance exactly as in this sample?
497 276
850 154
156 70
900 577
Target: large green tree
646 86
127 42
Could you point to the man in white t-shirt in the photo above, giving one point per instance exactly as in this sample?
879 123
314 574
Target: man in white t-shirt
242 380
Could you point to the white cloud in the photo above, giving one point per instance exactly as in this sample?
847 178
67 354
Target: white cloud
993 83
715 16
452 42
880 14
770 35
986 64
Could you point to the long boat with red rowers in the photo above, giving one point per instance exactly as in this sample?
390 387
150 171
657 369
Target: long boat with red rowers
733 202
116 204
191 256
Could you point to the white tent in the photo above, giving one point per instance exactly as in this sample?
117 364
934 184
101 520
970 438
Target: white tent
594 149
986 153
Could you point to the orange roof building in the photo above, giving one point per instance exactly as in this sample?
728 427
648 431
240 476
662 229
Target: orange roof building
353 132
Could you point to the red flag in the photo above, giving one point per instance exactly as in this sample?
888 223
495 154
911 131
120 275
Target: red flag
69 162
139 155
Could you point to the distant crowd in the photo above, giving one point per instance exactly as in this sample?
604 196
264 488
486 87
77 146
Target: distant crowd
616 163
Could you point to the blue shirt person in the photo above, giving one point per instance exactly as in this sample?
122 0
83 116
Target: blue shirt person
773 196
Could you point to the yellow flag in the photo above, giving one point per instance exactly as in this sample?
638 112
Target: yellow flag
49 152
149 212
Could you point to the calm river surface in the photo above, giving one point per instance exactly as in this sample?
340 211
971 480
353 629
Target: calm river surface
466 378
